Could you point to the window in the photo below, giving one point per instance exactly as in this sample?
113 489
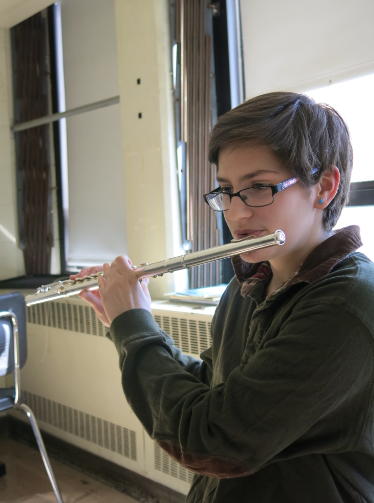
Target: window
354 100
94 144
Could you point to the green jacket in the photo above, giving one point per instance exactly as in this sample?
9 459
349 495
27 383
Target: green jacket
280 408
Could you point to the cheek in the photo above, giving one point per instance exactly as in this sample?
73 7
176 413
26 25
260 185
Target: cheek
228 220
293 204
294 216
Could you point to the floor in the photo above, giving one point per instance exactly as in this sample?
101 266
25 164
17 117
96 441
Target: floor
26 479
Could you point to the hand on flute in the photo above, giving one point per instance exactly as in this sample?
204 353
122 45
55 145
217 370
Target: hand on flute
120 289
93 297
122 292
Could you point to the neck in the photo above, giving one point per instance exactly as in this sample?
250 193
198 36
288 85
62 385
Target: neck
283 267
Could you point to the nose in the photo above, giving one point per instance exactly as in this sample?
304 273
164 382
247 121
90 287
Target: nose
238 209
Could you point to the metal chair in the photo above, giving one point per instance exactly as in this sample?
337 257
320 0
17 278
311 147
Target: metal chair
13 354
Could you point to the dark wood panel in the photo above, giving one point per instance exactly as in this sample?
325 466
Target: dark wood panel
195 48
29 47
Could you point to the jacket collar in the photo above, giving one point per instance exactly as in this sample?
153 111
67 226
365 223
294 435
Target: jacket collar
318 263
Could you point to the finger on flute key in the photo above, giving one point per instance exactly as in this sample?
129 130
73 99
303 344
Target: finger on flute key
87 271
80 274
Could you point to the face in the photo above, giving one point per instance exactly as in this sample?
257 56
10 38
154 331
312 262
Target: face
293 210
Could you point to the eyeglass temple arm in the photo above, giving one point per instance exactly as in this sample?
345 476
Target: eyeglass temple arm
283 185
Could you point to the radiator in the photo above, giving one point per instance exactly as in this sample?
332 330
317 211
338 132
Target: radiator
72 382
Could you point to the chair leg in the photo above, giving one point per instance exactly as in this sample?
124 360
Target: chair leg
42 449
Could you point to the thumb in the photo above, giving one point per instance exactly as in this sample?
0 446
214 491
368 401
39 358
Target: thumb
87 296
93 301
144 284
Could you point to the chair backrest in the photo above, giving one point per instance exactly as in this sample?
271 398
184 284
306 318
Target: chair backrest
15 303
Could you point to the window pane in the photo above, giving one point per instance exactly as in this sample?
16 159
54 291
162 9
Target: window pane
97 229
364 217
354 100
97 225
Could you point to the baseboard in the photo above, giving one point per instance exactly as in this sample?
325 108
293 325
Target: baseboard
118 477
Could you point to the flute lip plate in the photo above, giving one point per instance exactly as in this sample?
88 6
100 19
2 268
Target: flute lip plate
281 236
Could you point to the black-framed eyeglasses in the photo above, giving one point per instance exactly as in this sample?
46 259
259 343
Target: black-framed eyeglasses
257 196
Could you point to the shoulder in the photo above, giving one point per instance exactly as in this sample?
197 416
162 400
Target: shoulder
347 288
357 267
355 264
351 280
358 294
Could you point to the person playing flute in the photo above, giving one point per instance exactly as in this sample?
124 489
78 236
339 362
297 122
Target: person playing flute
280 408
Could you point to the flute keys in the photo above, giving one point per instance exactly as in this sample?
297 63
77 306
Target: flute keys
96 274
43 289
85 278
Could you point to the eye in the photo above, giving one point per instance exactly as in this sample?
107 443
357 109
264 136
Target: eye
226 190
259 187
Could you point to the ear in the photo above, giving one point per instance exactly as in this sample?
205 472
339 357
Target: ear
327 188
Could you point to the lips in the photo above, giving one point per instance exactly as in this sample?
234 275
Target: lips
245 233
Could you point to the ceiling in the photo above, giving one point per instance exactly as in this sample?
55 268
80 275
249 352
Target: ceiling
13 12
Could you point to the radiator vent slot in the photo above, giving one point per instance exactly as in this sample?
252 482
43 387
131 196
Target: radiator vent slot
72 317
93 429
164 463
190 336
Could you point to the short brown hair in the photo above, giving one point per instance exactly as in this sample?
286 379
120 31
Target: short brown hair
302 133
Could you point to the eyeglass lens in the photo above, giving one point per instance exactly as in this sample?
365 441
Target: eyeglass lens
254 196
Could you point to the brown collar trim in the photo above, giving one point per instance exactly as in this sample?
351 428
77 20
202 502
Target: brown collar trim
319 262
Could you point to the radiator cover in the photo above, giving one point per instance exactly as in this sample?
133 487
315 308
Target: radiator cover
72 382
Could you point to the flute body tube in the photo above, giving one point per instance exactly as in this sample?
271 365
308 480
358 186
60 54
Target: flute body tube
68 288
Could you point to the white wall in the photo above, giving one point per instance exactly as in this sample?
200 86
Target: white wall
11 257
299 46
149 150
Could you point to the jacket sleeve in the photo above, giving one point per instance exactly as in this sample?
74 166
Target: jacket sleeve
200 368
294 397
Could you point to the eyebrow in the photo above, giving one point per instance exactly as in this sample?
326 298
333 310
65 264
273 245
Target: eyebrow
248 176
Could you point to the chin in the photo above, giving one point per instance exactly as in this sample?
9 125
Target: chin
261 255
252 257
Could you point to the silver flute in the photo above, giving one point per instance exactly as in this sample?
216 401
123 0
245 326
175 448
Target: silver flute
69 287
